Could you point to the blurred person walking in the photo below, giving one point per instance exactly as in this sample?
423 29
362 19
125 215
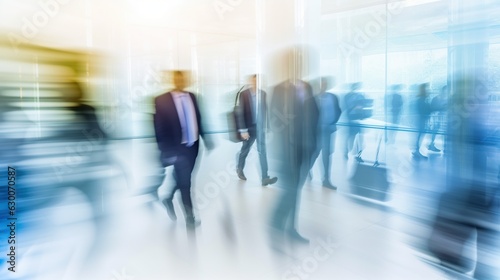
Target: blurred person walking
355 104
252 127
294 149
422 114
178 128
394 103
294 122
329 114
438 116
465 234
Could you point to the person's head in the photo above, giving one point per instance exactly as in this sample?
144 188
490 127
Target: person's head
326 83
422 90
396 87
252 80
356 86
179 79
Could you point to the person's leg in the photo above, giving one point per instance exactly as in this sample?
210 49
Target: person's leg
261 148
360 143
313 161
183 169
284 204
245 149
433 138
432 129
351 135
417 142
420 135
319 147
170 196
357 145
435 128
326 144
294 198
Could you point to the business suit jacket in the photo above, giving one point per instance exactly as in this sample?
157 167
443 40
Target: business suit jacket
168 127
295 127
245 114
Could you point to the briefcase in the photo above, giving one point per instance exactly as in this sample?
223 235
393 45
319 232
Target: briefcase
233 120
369 179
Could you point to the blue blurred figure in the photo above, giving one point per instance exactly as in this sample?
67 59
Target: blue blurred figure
355 103
439 105
468 211
422 114
329 114
394 103
294 122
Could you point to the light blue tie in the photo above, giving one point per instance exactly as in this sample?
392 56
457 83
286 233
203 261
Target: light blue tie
188 120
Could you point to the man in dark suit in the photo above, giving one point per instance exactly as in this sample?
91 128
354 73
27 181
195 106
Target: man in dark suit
294 122
330 111
252 125
178 128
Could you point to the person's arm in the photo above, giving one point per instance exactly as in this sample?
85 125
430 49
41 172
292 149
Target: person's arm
242 128
336 109
168 155
207 140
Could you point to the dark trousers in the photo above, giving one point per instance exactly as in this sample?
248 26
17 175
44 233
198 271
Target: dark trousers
183 167
258 136
293 169
421 128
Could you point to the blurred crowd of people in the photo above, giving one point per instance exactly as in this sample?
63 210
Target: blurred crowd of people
68 134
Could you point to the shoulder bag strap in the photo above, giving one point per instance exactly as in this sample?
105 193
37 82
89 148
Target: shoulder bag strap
238 95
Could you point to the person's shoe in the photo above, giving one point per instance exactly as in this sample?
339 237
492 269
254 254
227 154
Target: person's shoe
329 185
296 237
170 208
192 222
418 156
433 148
269 181
241 175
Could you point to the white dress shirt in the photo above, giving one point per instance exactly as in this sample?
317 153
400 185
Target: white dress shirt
179 98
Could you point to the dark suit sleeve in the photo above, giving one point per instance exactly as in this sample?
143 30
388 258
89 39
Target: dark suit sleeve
240 111
163 137
310 125
156 127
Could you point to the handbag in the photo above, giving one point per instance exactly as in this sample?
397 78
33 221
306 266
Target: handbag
233 119
370 180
